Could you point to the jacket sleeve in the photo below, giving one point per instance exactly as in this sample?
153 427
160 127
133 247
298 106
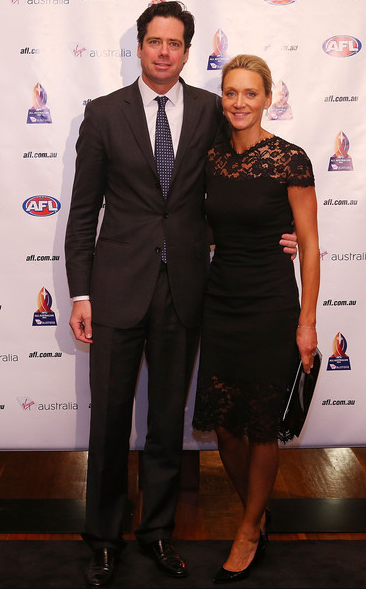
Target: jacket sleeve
86 202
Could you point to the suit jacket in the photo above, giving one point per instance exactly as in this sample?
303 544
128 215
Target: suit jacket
115 160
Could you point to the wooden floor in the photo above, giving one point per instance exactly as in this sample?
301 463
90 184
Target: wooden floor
213 511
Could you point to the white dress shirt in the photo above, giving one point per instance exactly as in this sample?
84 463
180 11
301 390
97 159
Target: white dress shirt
173 109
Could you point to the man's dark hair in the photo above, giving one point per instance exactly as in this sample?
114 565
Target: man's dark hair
167 9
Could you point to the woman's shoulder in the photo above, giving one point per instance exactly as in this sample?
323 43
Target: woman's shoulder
288 146
295 163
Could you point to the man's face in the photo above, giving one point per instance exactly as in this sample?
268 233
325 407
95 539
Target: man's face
162 53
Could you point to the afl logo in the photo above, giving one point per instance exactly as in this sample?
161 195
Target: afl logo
342 46
41 206
280 2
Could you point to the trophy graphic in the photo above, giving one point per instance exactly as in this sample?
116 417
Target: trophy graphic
219 57
39 113
339 360
280 110
340 160
44 314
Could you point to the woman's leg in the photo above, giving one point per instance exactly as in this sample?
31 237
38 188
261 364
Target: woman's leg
253 469
234 453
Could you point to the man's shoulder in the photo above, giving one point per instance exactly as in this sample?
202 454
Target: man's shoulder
201 93
114 97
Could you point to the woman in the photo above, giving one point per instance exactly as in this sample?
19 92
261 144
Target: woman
253 327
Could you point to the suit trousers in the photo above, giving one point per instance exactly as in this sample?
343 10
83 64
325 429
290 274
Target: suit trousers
115 358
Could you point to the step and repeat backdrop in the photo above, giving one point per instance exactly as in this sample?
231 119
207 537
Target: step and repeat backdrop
60 54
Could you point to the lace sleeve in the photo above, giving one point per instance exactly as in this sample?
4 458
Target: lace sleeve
299 168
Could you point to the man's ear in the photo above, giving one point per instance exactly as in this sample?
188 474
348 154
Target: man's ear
186 55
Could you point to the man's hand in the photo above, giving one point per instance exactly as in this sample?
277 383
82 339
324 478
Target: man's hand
80 321
289 243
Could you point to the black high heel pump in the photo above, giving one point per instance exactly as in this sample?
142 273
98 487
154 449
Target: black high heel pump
225 576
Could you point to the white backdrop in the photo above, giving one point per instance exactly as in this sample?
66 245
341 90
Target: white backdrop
58 55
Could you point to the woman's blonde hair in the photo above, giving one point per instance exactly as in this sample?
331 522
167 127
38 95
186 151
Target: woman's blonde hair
252 63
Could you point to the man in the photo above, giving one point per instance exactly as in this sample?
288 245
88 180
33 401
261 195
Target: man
140 287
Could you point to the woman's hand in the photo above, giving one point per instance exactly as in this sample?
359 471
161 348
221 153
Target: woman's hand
307 341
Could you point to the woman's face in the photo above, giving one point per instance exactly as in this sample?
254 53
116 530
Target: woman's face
244 99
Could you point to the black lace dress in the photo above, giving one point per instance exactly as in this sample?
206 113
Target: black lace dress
248 351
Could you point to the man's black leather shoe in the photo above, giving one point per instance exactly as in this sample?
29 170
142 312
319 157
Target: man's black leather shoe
100 570
166 558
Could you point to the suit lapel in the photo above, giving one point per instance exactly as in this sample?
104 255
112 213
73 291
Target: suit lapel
189 125
133 110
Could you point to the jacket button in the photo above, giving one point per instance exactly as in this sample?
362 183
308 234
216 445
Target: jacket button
158 250
166 215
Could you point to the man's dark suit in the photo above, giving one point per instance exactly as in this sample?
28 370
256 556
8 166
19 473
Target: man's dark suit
122 274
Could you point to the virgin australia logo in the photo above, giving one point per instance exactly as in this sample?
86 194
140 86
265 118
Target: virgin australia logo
77 49
26 403
80 50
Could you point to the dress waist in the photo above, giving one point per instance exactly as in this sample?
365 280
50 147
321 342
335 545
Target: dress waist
239 273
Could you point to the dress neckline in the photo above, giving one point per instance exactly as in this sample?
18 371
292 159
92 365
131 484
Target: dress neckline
252 147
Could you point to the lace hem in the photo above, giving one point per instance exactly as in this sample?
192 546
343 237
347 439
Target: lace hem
251 409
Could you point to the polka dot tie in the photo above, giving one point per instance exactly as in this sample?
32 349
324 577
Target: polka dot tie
164 153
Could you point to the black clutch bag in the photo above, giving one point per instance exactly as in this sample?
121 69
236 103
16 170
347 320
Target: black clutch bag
300 396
